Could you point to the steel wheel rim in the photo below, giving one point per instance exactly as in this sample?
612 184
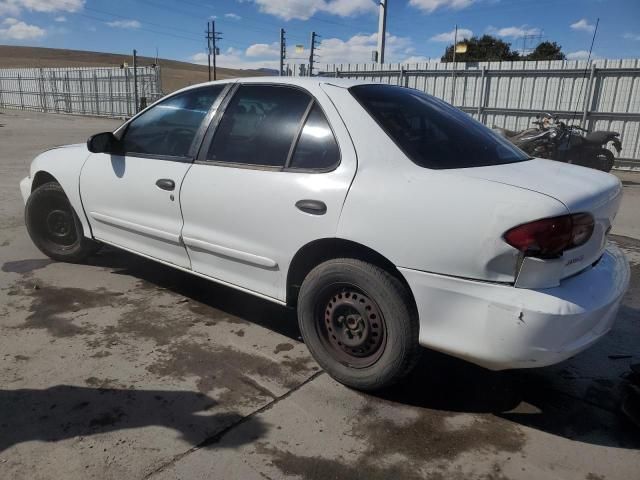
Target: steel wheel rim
55 223
351 326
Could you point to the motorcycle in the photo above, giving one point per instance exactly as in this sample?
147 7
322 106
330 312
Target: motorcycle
556 140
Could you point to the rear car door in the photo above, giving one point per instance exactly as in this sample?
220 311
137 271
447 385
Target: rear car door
272 176
131 198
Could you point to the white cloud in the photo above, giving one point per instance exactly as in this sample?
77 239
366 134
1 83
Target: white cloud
60 19
513 32
129 24
631 36
580 55
583 25
305 9
14 7
232 16
234 58
13 29
263 50
432 5
415 59
449 37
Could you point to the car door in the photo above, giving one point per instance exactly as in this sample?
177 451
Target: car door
131 198
272 176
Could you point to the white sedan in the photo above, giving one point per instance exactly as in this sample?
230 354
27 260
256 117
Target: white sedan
388 218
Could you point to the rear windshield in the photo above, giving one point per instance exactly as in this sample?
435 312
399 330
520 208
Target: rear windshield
431 132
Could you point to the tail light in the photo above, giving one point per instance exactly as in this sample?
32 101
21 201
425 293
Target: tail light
549 237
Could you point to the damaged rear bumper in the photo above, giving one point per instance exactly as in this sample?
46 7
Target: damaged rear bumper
502 327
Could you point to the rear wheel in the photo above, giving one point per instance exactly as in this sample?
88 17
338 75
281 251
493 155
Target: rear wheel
604 160
359 323
54 227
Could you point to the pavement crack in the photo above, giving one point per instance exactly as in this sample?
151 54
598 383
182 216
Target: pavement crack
212 440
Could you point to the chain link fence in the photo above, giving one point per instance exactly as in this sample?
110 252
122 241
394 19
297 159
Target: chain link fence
108 92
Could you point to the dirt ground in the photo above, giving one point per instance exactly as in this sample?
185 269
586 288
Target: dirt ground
173 74
123 368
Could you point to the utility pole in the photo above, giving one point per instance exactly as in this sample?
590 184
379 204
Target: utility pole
312 49
382 30
212 50
135 79
283 51
215 36
208 37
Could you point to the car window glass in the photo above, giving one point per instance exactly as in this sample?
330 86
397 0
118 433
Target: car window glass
431 132
259 125
169 127
317 147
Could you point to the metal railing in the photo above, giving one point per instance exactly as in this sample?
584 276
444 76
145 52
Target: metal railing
96 91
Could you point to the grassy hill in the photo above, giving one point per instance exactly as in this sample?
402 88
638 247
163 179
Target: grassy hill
174 74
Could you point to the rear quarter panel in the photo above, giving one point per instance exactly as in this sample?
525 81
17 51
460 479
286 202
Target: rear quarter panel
430 220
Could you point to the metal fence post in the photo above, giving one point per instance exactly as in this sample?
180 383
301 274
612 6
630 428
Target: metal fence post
588 96
110 80
20 92
43 96
481 99
1 96
67 90
81 85
95 91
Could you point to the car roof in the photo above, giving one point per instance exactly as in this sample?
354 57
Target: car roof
300 81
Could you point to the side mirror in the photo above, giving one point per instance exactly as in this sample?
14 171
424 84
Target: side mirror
105 142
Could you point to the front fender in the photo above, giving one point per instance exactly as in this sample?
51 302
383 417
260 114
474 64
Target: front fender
64 165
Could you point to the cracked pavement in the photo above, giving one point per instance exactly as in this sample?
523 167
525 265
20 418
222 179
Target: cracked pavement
123 368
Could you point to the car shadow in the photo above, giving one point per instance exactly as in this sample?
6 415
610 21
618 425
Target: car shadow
267 314
538 398
66 411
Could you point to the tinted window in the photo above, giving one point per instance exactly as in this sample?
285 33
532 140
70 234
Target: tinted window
433 133
169 127
259 125
317 147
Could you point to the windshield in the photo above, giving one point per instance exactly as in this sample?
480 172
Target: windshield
432 133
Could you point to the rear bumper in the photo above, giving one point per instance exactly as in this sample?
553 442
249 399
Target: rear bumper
503 327
25 188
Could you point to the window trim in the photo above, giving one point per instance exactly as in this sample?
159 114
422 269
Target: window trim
200 159
198 137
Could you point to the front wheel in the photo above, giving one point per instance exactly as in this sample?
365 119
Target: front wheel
359 322
54 227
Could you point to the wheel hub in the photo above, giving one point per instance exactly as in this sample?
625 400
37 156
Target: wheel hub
354 327
59 223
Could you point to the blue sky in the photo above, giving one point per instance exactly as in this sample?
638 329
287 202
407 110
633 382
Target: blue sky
417 29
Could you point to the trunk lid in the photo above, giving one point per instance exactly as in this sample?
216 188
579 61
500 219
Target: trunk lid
579 189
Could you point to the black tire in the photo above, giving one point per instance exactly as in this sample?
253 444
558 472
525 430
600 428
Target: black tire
605 160
54 227
375 318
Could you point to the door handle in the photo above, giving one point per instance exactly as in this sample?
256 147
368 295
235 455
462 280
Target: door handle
314 207
166 184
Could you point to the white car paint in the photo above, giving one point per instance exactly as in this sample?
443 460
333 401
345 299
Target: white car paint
442 229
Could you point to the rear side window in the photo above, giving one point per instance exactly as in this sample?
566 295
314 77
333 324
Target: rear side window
259 126
317 148
169 127
432 133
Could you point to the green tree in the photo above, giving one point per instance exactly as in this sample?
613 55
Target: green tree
547 51
482 49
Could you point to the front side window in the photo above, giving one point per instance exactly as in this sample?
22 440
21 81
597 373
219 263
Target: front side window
169 127
259 126
316 148
432 133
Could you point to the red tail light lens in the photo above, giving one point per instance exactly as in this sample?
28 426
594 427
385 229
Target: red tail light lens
549 237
